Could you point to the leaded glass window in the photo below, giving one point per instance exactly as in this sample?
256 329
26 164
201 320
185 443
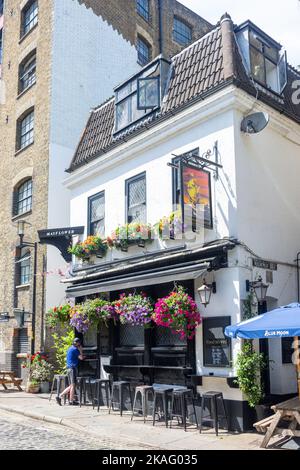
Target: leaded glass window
97 215
136 199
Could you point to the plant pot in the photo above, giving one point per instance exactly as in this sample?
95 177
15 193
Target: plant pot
262 412
32 388
44 387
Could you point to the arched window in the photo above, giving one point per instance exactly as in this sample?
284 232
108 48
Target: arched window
29 16
182 33
143 50
23 198
27 72
25 130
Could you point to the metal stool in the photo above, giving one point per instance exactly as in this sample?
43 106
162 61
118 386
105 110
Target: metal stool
143 391
119 387
62 382
99 385
212 399
161 396
179 406
82 382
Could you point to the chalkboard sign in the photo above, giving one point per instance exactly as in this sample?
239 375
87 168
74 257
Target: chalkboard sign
287 350
216 346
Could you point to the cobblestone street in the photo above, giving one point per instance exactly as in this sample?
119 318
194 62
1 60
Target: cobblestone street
21 433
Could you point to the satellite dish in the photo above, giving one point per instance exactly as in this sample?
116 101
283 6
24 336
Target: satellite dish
255 123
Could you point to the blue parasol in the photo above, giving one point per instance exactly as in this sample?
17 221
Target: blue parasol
283 322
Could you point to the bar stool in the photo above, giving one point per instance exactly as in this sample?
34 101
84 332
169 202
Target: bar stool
120 388
212 399
179 406
143 391
99 385
82 383
161 396
61 381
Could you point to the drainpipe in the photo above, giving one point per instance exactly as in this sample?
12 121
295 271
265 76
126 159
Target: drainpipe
160 26
298 276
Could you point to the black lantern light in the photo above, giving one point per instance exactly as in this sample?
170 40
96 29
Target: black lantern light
259 288
205 292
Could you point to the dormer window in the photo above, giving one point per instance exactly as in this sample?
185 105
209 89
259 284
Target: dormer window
263 57
141 95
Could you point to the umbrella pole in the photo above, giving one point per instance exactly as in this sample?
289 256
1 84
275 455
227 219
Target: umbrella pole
297 350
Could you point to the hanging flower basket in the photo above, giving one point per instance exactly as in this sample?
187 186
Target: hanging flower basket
80 320
179 312
136 310
58 316
98 311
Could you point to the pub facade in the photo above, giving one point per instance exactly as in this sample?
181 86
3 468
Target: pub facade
169 147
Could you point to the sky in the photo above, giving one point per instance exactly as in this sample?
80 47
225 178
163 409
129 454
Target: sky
278 18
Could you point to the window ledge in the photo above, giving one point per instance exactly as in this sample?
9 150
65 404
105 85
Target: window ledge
19 216
23 149
28 33
23 286
25 91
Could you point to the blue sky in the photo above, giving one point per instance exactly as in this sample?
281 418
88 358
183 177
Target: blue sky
279 18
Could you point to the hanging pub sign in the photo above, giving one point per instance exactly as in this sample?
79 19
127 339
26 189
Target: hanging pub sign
216 346
196 196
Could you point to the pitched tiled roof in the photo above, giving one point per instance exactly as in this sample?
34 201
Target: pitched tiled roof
210 63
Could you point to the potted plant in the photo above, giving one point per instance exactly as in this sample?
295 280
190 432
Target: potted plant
41 374
249 365
39 370
134 309
93 247
171 227
131 234
179 312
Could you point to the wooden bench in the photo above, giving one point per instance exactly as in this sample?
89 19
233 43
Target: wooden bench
9 378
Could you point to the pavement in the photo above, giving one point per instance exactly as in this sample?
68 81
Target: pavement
120 432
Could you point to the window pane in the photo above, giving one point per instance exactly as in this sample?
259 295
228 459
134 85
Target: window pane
148 93
257 65
182 32
271 75
136 113
142 7
24 198
143 52
137 200
30 17
25 270
123 117
97 215
28 74
26 131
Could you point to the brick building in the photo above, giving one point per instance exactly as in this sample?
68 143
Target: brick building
58 58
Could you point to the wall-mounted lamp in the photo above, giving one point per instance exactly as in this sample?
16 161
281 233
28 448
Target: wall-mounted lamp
22 317
205 292
259 288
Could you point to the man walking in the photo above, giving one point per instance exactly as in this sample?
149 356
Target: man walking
74 354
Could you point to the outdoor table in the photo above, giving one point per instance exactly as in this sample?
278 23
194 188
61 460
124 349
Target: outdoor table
8 377
289 411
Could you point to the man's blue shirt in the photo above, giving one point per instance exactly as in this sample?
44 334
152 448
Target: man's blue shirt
72 357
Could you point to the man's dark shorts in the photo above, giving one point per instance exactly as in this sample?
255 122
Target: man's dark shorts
72 375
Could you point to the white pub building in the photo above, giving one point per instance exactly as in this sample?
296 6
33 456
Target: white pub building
216 125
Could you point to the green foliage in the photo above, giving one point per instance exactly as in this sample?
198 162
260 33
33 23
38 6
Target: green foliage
249 366
61 345
248 307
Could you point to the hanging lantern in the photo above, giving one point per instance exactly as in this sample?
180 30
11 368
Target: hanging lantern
205 292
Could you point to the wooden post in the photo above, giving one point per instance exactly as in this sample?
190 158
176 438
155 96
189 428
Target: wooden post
297 353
